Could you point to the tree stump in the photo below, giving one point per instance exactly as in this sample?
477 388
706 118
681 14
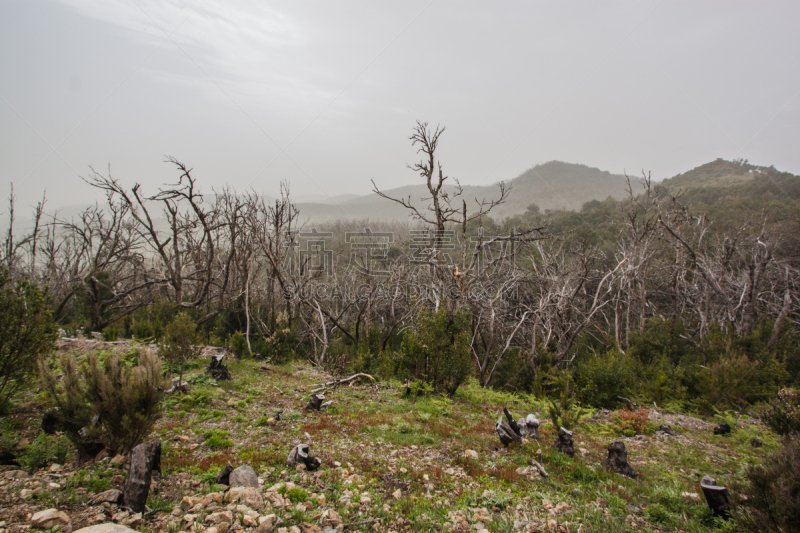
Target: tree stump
564 442
511 422
529 427
618 460
722 429
717 497
50 422
145 458
506 434
299 455
217 370
315 403
668 431
224 476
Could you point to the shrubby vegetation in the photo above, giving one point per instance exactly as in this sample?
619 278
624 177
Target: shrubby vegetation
106 402
26 333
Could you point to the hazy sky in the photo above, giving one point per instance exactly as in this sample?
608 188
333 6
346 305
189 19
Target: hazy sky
325 94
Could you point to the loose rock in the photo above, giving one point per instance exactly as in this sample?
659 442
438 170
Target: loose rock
108 527
111 496
50 518
244 476
249 496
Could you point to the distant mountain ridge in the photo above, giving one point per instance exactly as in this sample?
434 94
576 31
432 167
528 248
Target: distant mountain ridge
553 185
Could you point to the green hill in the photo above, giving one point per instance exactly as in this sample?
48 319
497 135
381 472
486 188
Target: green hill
722 181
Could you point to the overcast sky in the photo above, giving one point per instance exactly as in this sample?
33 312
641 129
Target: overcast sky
325 94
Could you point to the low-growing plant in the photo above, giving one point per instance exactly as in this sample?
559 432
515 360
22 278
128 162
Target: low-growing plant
216 438
629 423
43 450
296 494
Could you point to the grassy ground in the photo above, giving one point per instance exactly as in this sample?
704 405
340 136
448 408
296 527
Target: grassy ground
402 460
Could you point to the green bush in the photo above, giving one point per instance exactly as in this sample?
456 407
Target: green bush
111 333
773 491
603 381
436 350
26 333
109 401
783 413
238 344
180 342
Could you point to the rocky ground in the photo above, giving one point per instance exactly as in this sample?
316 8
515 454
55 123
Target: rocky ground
389 463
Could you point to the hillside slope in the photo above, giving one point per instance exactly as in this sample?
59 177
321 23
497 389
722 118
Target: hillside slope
722 181
389 463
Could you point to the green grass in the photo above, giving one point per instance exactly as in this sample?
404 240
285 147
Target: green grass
216 438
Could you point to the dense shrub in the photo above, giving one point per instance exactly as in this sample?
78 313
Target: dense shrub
605 380
107 401
280 346
773 490
783 413
437 351
630 423
737 380
179 346
26 332
238 345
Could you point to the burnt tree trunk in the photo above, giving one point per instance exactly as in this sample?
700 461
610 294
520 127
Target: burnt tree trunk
145 458
618 460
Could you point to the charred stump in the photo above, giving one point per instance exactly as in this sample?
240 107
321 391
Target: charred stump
529 427
50 422
618 460
564 442
717 497
299 455
224 476
511 422
668 431
722 429
217 370
145 458
506 433
315 403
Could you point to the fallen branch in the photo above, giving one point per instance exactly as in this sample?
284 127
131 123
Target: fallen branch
340 381
634 404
